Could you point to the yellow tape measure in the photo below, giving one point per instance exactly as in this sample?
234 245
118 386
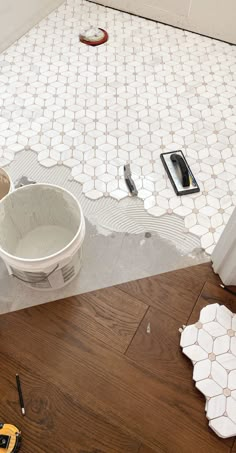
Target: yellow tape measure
10 438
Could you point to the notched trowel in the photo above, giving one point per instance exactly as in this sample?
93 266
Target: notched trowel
179 172
129 181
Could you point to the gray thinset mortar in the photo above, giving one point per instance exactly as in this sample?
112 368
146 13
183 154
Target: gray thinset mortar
112 253
108 214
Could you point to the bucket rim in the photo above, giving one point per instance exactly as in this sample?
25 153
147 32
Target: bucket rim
60 252
6 173
11 186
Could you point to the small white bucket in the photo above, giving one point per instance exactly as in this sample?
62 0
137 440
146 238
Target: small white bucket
42 229
6 184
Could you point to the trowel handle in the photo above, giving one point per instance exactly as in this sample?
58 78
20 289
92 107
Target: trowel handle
179 161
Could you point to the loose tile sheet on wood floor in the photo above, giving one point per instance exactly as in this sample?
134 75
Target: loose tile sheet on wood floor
210 344
151 88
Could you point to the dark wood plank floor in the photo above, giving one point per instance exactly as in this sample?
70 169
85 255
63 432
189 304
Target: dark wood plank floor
103 372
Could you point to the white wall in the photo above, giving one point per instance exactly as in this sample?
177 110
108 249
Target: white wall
215 18
18 16
224 254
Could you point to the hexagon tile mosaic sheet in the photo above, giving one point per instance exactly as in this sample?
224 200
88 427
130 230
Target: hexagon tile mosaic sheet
211 346
150 89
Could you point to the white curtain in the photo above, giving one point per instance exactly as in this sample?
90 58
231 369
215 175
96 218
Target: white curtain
224 254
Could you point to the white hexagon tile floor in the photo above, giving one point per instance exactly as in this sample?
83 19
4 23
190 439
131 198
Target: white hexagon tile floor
211 346
151 88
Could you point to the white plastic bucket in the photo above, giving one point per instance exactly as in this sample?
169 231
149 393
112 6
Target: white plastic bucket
6 184
42 229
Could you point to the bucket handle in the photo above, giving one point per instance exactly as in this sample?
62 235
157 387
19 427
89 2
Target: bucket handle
38 281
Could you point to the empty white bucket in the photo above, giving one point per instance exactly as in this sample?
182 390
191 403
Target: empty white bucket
42 229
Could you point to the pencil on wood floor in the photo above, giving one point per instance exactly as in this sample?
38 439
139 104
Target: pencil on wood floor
20 394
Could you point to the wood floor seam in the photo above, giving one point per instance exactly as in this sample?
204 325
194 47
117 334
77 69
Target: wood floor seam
199 295
137 330
162 310
233 449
